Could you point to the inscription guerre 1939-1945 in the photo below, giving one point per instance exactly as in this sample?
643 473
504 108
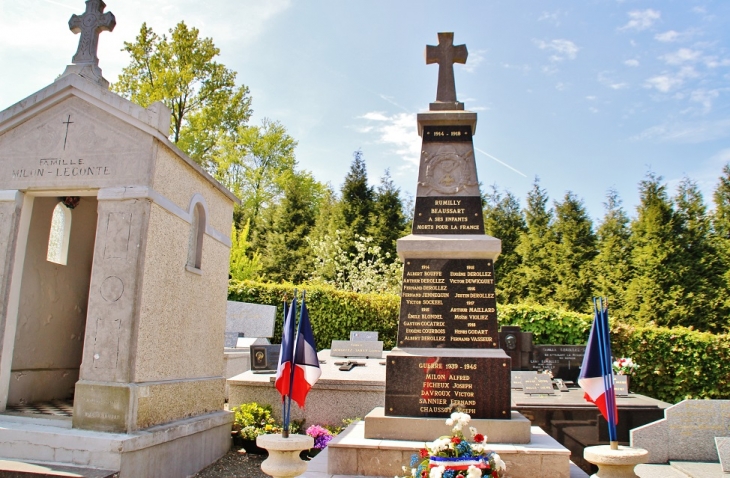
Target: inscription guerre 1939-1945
433 386
448 303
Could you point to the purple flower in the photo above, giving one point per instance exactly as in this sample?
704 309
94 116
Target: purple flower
321 436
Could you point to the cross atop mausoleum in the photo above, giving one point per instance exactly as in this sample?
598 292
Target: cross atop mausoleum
446 54
90 24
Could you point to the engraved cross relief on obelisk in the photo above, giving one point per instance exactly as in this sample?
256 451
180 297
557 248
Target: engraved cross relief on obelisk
448 354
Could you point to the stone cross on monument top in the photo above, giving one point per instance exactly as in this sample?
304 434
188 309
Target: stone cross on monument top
446 54
90 24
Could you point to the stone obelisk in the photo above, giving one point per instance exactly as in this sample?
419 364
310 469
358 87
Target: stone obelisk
448 356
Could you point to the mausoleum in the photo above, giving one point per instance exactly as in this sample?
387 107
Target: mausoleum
114 249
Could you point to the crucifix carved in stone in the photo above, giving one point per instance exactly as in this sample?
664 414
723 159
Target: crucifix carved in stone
90 24
446 54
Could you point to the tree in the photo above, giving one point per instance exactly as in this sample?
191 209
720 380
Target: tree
243 266
575 248
253 165
504 220
721 228
181 71
650 294
288 256
611 267
388 222
537 248
356 203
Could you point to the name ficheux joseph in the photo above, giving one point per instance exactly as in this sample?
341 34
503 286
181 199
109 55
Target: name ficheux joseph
55 167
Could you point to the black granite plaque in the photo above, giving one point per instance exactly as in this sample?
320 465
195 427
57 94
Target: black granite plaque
348 348
265 357
433 386
448 303
519 376
360 336
540 383
564 361
621 385
446 134
448 215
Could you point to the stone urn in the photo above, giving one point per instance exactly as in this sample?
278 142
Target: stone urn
283 460
618 463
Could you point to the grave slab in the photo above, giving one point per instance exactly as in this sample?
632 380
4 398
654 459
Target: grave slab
723 452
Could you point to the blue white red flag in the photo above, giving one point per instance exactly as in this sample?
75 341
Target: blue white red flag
306 363
595 379
286 355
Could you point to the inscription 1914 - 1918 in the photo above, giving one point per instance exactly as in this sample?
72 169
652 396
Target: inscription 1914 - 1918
446 134
448 303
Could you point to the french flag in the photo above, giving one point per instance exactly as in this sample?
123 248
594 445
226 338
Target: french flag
596 377
306 363
286 355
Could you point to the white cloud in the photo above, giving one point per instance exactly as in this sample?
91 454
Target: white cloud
563 49
475 59
722 157
705 98
632 62
560 86
552 17
667 37
591 98
686 132
641 19
606 79
683 55
593 109
665 82
396 131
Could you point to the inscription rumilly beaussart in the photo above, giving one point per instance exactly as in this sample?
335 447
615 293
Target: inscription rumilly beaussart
448 303
448 215
434 386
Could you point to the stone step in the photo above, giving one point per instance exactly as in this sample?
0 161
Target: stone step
20 469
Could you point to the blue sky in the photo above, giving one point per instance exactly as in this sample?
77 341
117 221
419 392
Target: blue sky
588 95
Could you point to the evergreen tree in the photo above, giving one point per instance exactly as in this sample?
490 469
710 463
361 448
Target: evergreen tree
654 248
388 223
698 293
611 266
537 248
356 203
574 251
721 228
242 265
287 256
504 220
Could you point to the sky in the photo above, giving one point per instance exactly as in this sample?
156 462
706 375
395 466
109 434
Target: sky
586 95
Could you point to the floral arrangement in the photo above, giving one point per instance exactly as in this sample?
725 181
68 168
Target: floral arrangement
321 436
454 457
624 366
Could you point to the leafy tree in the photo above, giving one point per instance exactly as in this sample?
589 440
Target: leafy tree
181 71
537 248
253 164
288 256
357 203
243 267
504 220
611 266
575 248
388 222
653 286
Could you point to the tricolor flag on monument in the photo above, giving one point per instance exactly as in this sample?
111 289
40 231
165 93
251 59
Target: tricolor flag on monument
306 363
286 355
596 374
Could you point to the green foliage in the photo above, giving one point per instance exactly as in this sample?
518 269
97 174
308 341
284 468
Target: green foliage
356 203
388 223
675 364
549 325
243 267
251 420
334 313
181 71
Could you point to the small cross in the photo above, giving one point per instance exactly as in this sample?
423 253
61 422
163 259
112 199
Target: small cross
67 123
90 24
446 54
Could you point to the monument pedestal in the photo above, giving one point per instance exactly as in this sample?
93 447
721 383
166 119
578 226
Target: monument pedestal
615 463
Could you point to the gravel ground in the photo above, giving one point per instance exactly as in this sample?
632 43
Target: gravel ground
233 465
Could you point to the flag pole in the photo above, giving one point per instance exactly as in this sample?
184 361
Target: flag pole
293 365
604 349
287 399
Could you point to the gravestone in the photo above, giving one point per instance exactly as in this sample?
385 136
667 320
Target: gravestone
723 452
114 250
686 433
448 354
254 321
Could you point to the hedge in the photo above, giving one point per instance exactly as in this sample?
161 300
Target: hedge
674 364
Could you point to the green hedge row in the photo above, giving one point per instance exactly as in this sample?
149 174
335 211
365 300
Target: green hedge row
674 364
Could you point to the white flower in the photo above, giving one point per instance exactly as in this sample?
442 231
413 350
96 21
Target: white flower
437 472
473 431
498 463
458 420
473 472
413 472
438 445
